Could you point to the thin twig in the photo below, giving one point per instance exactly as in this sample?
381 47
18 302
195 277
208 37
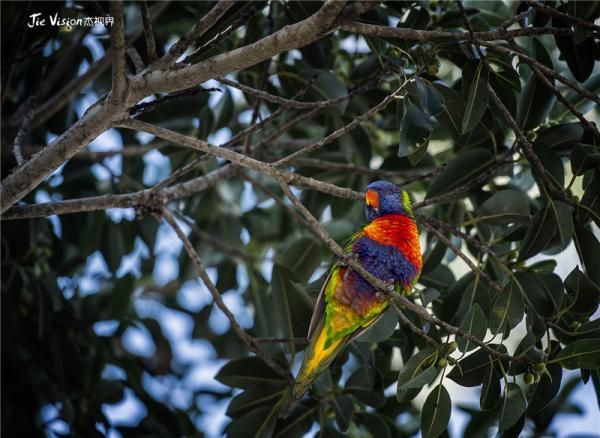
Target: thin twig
199 29
565 17
148 33
523 15
26 123
557 92
241 20
428 35
146 107
516 50
343 130
136 59
407 176
273 340
117 38
239 159
238 254
418 331
241 333
493 284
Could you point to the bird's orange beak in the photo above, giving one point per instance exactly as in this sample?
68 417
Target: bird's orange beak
372 199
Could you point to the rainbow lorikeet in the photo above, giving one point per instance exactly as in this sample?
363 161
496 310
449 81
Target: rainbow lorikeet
388 247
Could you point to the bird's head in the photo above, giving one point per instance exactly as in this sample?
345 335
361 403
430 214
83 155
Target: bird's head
383 197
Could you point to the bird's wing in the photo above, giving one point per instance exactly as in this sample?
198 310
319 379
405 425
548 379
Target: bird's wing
362 330
319 309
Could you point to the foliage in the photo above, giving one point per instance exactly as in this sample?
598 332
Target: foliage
508 205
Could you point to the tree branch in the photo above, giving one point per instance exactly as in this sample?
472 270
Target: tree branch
148 32
428 35
547 71
99 118
145 198
343 130
242 160
565 17
199 29
290 37
241 333
117 38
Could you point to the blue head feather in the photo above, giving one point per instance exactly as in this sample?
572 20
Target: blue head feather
390 200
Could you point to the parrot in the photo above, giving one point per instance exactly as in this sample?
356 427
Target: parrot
347 305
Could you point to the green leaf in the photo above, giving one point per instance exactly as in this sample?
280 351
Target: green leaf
293 306
260 422
536 99
343 407
543 290
583 353
415 130
563 214
507 77
417 364
246 372
382 329
576 54
545 390
453 111
584 157
490 388
470 371
258 395
588 248
420 380
538 234
436 412
584 294
474 323
428 98
223 110
513 406
462 168
504 207
361 384
508 309
477 99
375 424
552 163
301 257
559 138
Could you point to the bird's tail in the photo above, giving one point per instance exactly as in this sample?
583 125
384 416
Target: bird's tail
317 357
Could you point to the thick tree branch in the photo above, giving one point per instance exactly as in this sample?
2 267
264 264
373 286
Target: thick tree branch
98 118
143 198
290 37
